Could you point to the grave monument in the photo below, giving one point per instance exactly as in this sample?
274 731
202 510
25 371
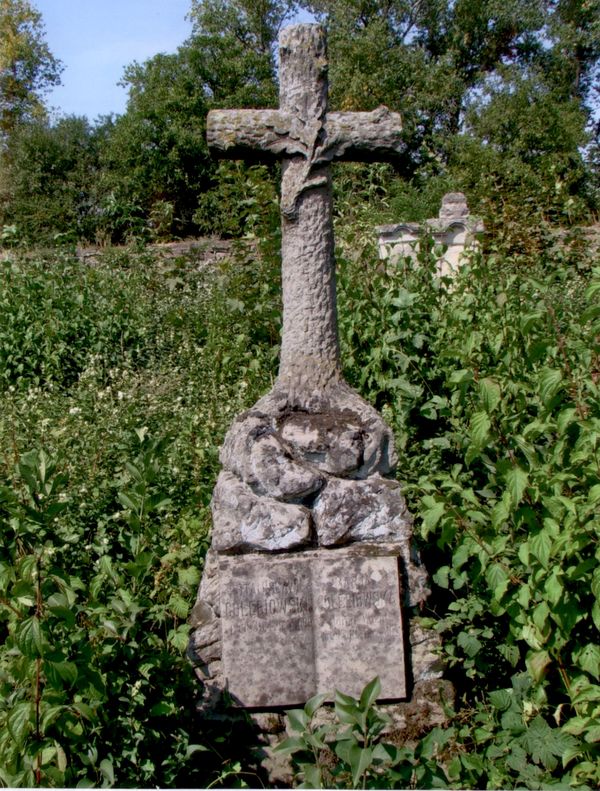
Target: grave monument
312 579
454 228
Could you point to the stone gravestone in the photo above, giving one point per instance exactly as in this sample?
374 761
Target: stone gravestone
454 228
311 567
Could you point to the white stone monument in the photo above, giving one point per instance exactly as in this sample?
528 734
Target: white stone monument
454 229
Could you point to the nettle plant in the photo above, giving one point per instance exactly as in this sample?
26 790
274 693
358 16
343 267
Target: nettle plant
491 382
91 635
104 523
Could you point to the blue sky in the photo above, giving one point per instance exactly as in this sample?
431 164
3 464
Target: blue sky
96 39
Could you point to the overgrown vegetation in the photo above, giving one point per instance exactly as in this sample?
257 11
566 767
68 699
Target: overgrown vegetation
118 379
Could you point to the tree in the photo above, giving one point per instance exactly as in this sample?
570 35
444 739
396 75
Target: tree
233 42
27 67
500 84
156 161
52 175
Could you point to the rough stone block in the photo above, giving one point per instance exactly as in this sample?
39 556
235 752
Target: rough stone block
243 521
361 510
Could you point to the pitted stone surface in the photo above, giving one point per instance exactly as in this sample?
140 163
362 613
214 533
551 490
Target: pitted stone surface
370 510
244 521
296 625
306 463
257 454
278 475
330 441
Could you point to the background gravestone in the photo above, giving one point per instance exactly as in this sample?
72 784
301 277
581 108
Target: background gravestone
454 228
311 566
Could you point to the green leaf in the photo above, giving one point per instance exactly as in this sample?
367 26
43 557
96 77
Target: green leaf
546 744
549 384
516 482
470 644
541 545
496 577
20 722
347 712
370 694
594 493
359 759
293 744
490 393
312 776
537 664
501 699
586 692
29 638
532 636
313 704
480 428
540 615
589 660
298 720
432 516
61 671
511 653
501 511
106 768
553 587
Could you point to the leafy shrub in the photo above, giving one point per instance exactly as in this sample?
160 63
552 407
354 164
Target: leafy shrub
105 522
133 371
491 382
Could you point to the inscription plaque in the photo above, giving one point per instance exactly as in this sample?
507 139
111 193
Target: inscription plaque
297 625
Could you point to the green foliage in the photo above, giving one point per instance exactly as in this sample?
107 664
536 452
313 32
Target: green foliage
352 747
233 44
244 202
52 191
27 67
495 98
105 521
491 382
155 161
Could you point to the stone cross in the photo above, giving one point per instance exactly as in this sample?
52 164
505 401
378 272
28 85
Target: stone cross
301 589
306 138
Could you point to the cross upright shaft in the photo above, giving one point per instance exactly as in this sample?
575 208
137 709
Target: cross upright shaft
307 139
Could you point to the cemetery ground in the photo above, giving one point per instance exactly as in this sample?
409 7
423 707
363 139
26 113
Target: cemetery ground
118 381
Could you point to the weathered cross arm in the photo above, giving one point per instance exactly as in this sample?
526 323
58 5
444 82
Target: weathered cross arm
260 134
